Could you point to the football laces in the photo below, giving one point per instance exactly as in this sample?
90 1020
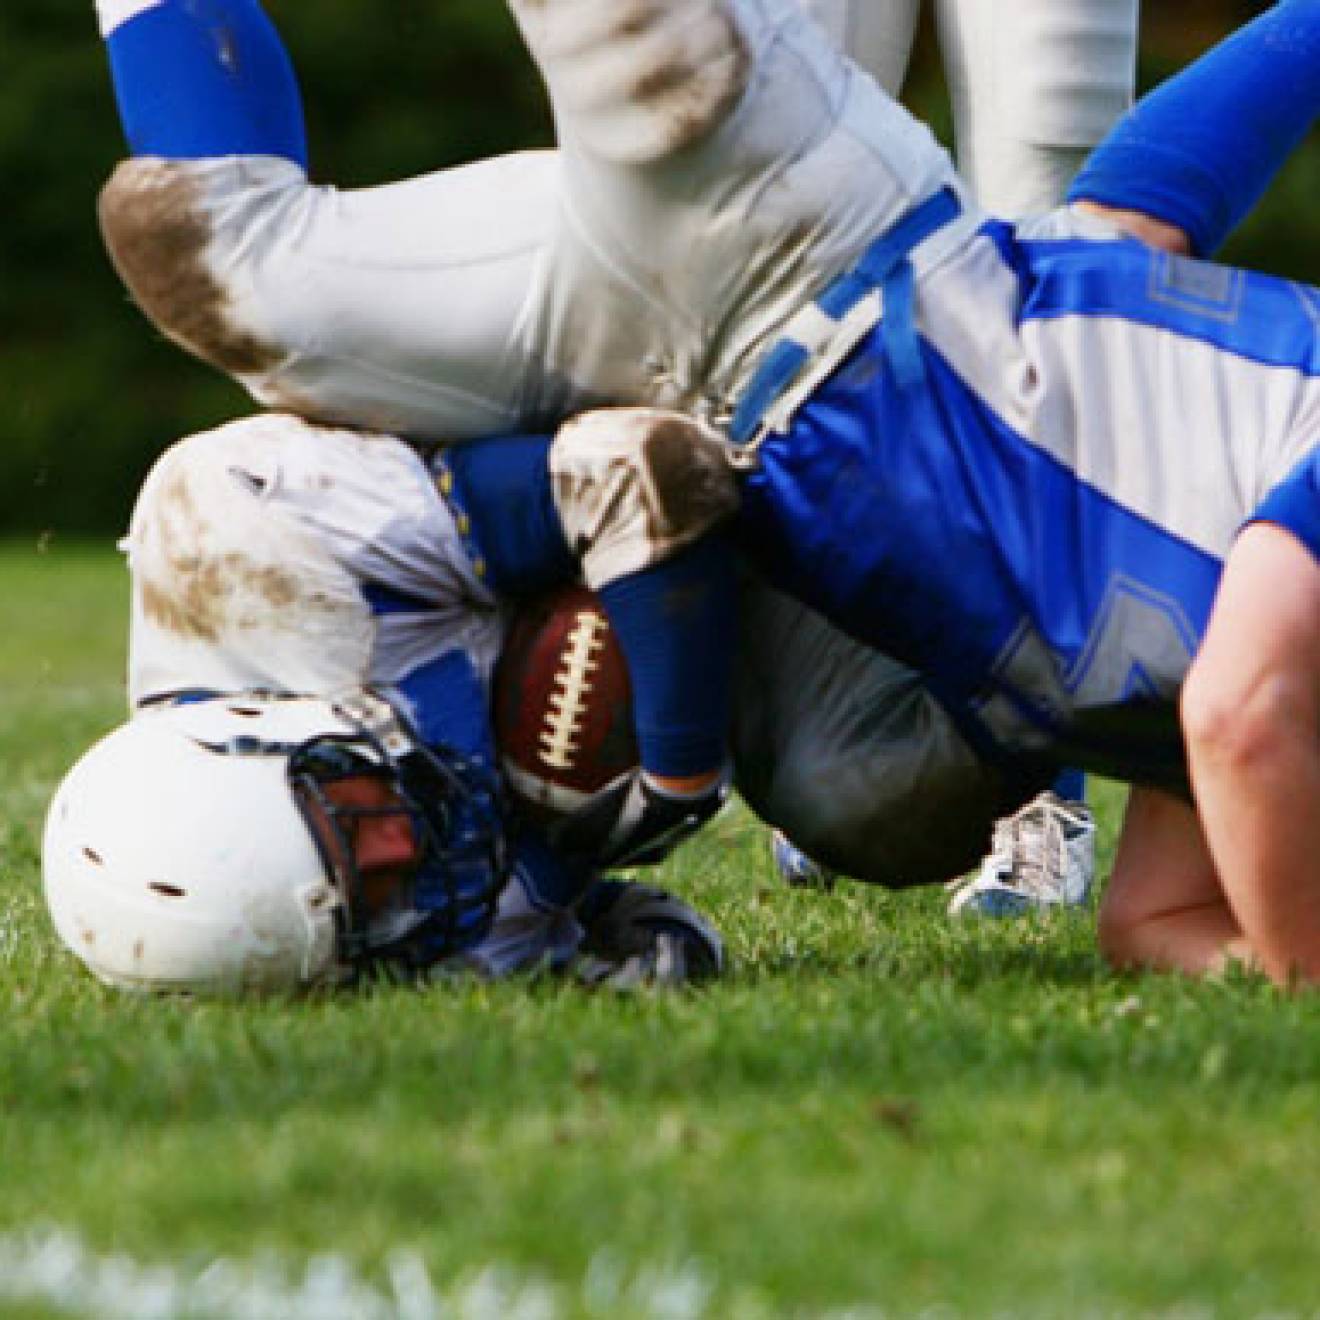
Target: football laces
560 737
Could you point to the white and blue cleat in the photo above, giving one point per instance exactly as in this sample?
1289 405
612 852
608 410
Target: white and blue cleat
1041 857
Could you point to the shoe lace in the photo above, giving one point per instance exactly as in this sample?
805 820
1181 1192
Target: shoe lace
1031 846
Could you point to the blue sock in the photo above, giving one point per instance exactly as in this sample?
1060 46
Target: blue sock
1200 150
676 623
201 78
1071 785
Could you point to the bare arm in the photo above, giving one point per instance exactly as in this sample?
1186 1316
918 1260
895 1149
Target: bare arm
1251 717
1237 878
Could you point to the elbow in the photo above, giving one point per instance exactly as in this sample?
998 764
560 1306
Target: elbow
1243 728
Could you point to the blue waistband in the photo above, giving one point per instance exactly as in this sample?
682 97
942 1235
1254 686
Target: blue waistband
885 265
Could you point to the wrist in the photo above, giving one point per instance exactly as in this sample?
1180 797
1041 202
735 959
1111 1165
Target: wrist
697 785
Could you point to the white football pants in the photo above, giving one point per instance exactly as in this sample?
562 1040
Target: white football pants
1034 84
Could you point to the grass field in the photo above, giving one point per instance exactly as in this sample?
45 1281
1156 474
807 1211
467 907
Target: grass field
878 1114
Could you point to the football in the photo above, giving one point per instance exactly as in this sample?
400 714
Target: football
562 704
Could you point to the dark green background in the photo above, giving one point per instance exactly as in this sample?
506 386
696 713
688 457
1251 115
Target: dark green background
91 393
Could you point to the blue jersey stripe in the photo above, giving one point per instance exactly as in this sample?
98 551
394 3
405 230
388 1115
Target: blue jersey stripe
1257 317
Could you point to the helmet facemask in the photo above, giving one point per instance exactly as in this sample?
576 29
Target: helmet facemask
447 899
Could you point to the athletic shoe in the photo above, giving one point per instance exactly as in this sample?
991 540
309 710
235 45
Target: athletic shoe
640 936
795 867
1041 857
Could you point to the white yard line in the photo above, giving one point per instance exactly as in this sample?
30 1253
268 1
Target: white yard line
56 1269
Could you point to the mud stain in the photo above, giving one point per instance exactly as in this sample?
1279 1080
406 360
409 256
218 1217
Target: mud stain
201 594
156 233
694 487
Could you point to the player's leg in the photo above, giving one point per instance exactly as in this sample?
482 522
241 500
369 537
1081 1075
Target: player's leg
619 497
398 307
877 36
1163 907
722 162
1034 85
1236 879
200 510
624 497
846 752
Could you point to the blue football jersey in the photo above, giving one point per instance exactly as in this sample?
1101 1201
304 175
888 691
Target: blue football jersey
1040 522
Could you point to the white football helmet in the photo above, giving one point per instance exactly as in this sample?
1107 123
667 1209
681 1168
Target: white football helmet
192 848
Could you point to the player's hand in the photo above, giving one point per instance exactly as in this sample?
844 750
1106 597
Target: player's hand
1154 233
638 935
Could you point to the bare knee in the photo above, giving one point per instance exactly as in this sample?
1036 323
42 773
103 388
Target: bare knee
1118 935
157 233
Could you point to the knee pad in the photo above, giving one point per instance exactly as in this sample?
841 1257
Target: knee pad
157 231
638 80
632 486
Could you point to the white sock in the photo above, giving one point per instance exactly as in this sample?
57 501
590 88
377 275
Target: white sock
114 13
